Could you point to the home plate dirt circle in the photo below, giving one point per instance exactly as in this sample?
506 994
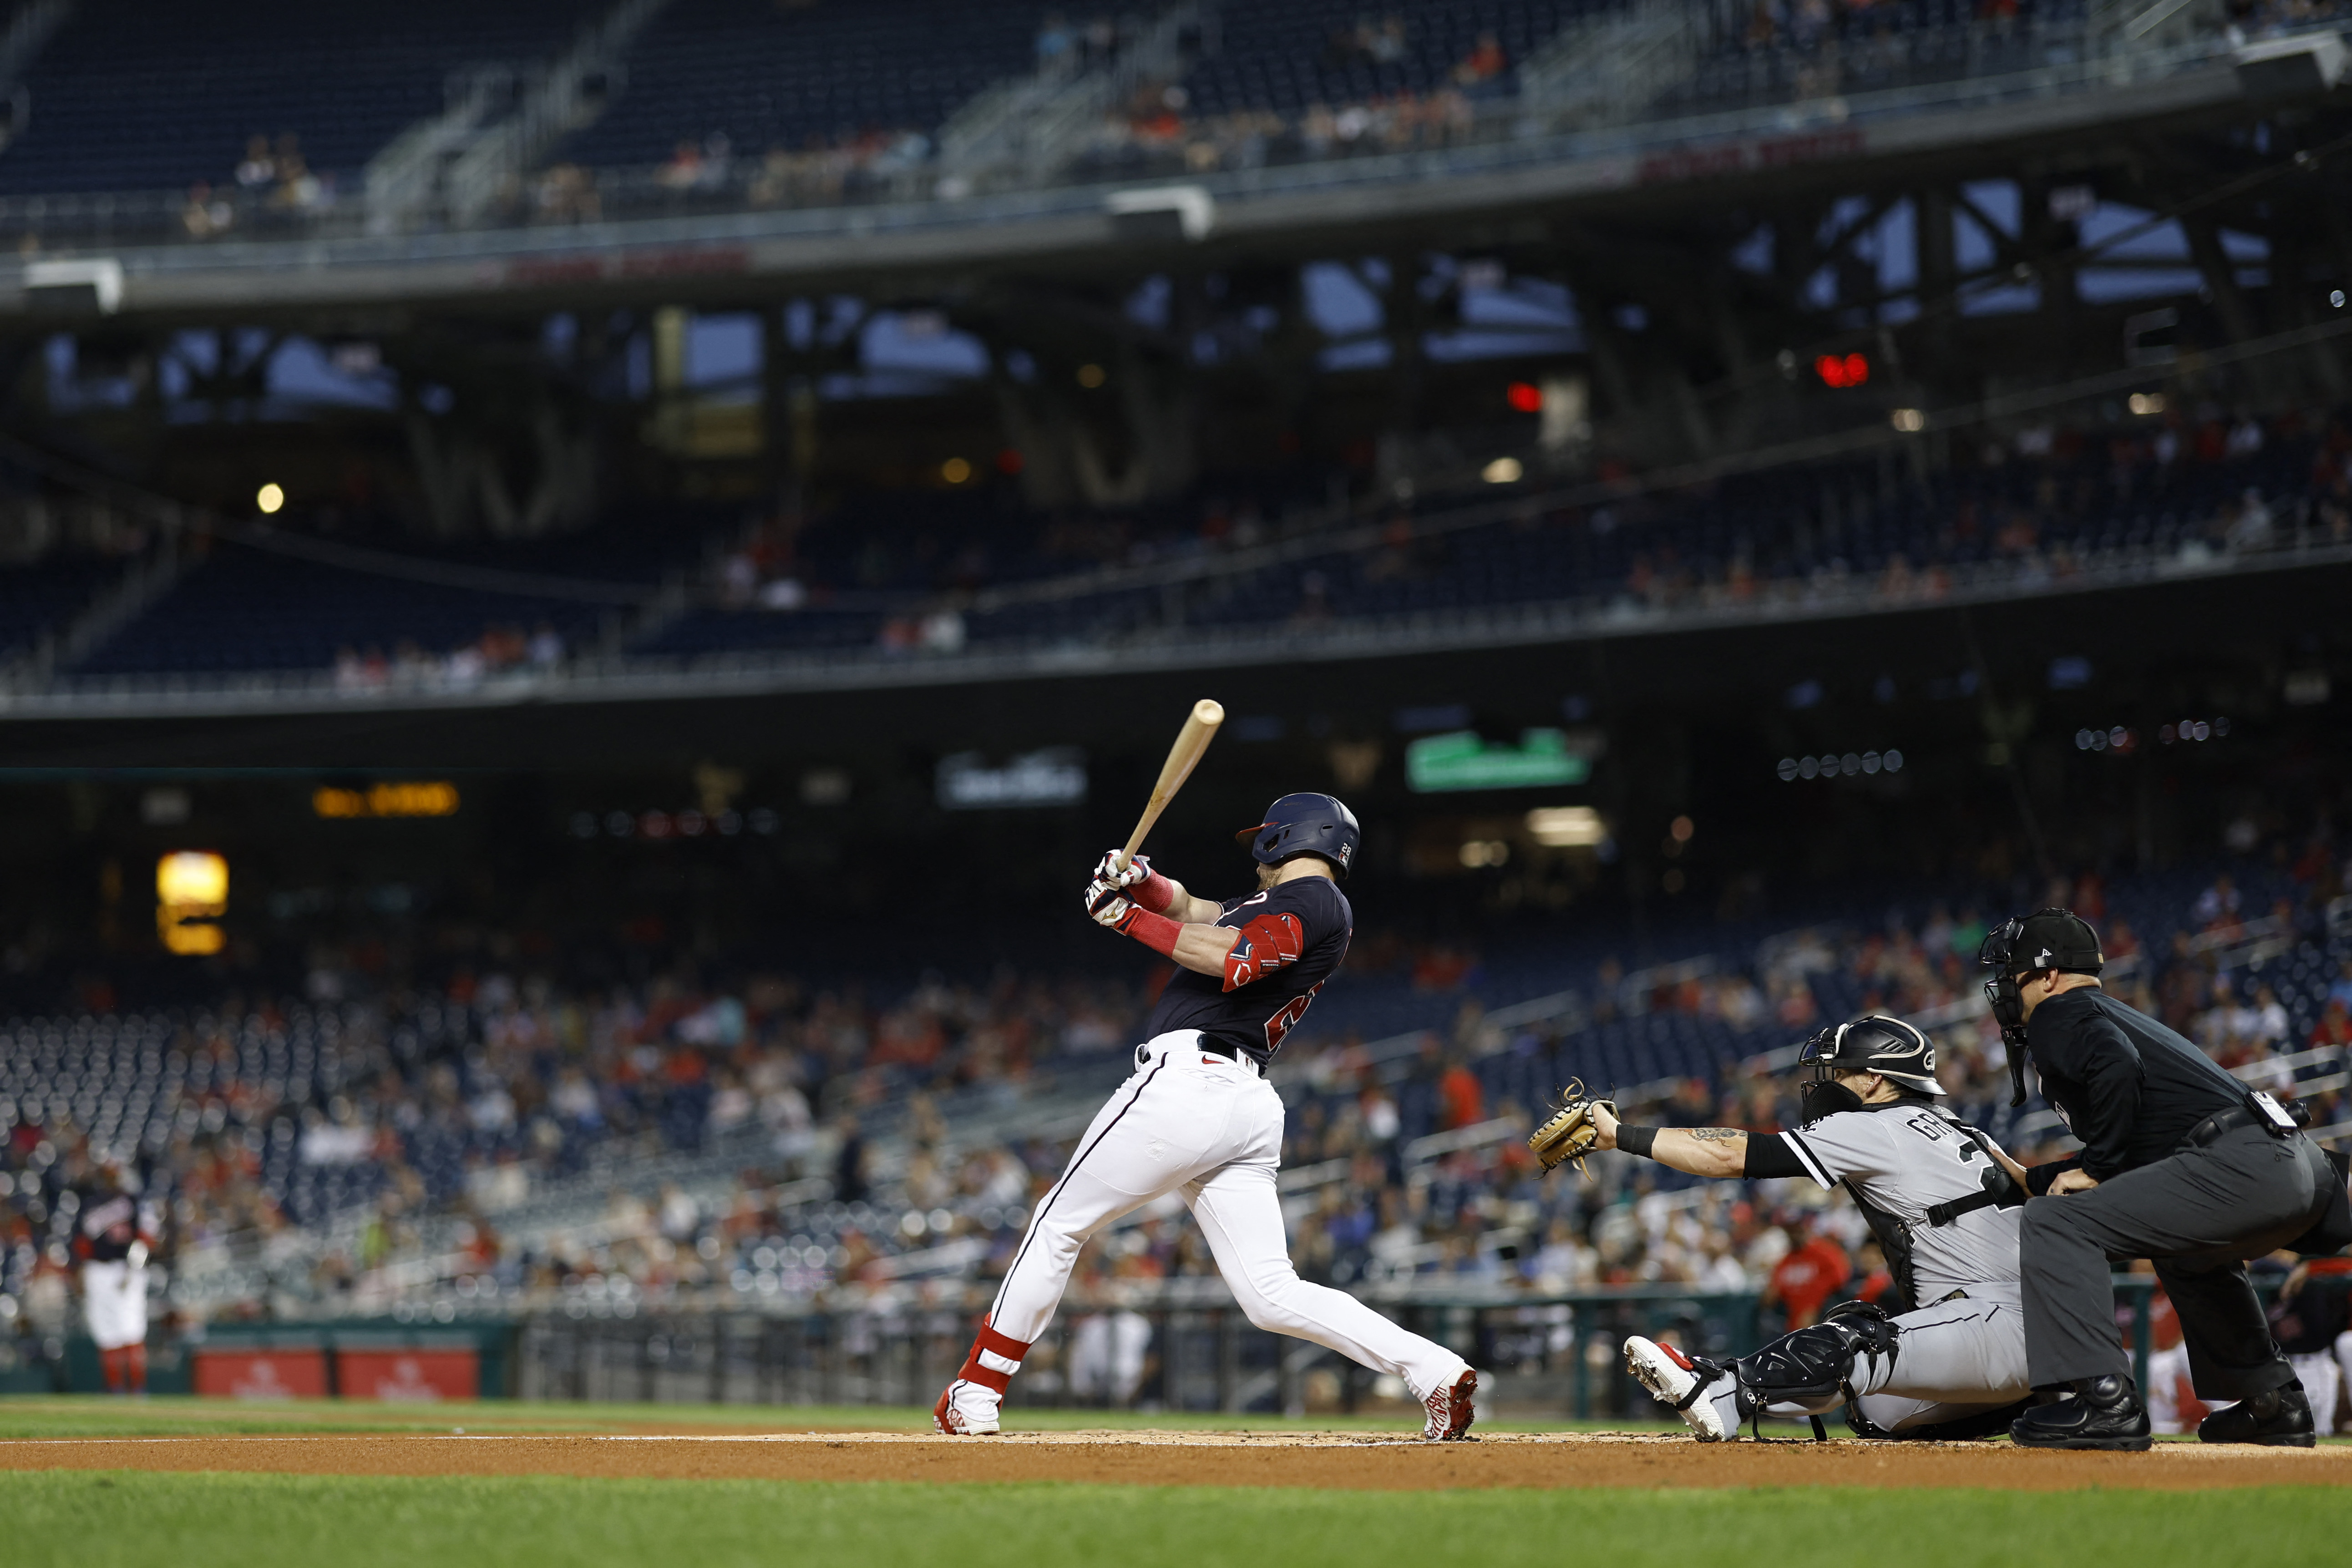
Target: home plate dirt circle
1351 1461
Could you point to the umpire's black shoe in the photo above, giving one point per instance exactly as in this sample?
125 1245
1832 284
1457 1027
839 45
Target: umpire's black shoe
2279 1419
2102 1413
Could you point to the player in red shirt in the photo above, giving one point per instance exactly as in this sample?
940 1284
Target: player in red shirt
1807 1277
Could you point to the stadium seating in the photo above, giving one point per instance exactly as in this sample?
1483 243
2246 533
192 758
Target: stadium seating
764 75
1288 57
1776 53
136 95
241 610
1850 523
42 597
315 1112
870 571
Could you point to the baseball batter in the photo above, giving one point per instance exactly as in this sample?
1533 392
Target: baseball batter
1943 1201
112 1233
1199 1117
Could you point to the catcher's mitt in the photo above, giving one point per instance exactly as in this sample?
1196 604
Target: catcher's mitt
1569 1136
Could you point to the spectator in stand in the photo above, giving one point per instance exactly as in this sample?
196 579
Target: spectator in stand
1464 1102
259 170
205 214
2341 991
1810 1272
2217 906
1875 1284
1484 63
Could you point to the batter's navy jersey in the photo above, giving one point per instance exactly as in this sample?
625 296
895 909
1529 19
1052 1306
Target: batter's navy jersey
1293 936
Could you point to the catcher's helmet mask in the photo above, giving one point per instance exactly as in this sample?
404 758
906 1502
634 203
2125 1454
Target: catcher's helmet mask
1892 1049
1304 824
2049 940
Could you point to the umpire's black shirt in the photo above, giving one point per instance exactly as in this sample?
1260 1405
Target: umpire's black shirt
2128 1087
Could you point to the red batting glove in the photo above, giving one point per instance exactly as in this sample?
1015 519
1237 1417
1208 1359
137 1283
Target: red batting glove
1107 905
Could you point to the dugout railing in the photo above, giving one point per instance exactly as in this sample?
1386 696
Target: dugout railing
1556 1354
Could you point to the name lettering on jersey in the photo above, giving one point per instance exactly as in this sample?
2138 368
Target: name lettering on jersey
1928 1126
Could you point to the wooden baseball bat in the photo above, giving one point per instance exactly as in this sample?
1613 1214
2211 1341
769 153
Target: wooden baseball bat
1199 728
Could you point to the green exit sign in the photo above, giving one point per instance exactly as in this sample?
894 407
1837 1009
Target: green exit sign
1462 761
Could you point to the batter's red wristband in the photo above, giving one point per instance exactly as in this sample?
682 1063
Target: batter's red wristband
1156 932
1153 894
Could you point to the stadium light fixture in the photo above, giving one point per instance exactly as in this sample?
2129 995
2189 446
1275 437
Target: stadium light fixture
191 895
1502 471
955 470
1909 420
2146 403
272 499
1091 376
1565 827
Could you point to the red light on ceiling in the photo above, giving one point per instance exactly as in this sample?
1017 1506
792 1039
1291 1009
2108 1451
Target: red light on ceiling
1524 396
1842 371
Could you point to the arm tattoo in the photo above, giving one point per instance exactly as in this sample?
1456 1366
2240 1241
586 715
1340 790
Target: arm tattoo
1715 1135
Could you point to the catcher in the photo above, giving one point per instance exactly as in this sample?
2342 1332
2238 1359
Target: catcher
1943 1201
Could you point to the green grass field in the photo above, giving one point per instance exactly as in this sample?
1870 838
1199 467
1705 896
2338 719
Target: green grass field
143 1520
101 1520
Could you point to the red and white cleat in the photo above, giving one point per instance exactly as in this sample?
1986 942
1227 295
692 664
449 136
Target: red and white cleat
1679 1380
966 1410
1450 1412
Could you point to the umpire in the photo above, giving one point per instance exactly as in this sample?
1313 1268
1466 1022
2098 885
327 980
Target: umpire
2181 1165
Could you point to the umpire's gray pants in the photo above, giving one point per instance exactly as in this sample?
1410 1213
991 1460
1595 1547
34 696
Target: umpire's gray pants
2197 1216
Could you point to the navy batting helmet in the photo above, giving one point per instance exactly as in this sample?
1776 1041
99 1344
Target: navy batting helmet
1305 825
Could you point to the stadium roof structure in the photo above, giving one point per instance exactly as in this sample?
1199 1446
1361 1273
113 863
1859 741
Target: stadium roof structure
926 229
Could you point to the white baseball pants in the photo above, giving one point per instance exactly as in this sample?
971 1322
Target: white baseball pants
1210 1128
114 1304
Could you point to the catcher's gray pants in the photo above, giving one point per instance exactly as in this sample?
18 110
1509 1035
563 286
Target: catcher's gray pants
2197 1216
1954 1359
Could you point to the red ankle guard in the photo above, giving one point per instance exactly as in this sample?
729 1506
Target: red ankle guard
989 1341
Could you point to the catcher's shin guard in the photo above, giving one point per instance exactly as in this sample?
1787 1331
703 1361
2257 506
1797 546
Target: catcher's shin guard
1818 1362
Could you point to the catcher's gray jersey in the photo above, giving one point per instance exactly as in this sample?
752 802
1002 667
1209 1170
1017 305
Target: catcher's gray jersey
1900 1159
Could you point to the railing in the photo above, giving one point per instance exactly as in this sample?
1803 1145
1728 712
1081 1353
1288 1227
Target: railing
1542 1354
1184 646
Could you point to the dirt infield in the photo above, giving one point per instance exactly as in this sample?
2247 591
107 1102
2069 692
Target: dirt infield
1351 1460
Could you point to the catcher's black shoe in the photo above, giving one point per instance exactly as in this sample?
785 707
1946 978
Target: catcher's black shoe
2277 1418
2102 1413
